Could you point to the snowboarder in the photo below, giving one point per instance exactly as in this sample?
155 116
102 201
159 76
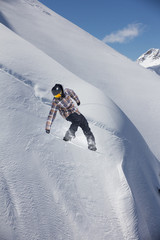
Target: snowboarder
63 102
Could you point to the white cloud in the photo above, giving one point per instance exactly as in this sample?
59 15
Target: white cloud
127 33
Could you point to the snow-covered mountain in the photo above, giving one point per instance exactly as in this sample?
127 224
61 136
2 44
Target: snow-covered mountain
151 60
50 189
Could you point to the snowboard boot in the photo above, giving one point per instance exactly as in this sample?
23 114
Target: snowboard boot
91 143
68 136
92 147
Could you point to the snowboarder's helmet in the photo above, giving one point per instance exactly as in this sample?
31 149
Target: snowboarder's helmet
57 90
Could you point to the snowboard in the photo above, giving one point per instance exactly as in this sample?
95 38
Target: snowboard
75 144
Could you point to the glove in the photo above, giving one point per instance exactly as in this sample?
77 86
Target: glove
47 131
78 103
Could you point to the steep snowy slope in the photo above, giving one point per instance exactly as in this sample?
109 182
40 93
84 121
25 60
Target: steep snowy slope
151 60
53 190
91 60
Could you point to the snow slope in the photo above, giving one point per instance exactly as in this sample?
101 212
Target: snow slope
91 60
50 189
71 193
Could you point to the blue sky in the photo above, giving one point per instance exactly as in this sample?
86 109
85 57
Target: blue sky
129 26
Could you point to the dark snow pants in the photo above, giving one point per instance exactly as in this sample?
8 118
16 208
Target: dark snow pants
80 121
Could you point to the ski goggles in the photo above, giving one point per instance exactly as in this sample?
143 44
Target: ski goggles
58 95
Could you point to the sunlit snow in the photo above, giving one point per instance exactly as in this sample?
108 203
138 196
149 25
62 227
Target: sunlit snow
50 189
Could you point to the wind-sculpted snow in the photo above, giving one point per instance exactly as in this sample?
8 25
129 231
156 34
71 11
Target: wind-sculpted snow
50 189
57 190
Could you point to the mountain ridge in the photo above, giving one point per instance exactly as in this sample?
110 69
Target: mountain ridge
150 60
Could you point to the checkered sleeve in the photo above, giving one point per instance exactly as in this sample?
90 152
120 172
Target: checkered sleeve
73 95
51 116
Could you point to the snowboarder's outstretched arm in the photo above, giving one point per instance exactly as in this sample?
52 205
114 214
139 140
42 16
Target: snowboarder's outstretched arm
51 117
73 95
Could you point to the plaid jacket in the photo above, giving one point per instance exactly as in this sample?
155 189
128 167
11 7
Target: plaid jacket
64 105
